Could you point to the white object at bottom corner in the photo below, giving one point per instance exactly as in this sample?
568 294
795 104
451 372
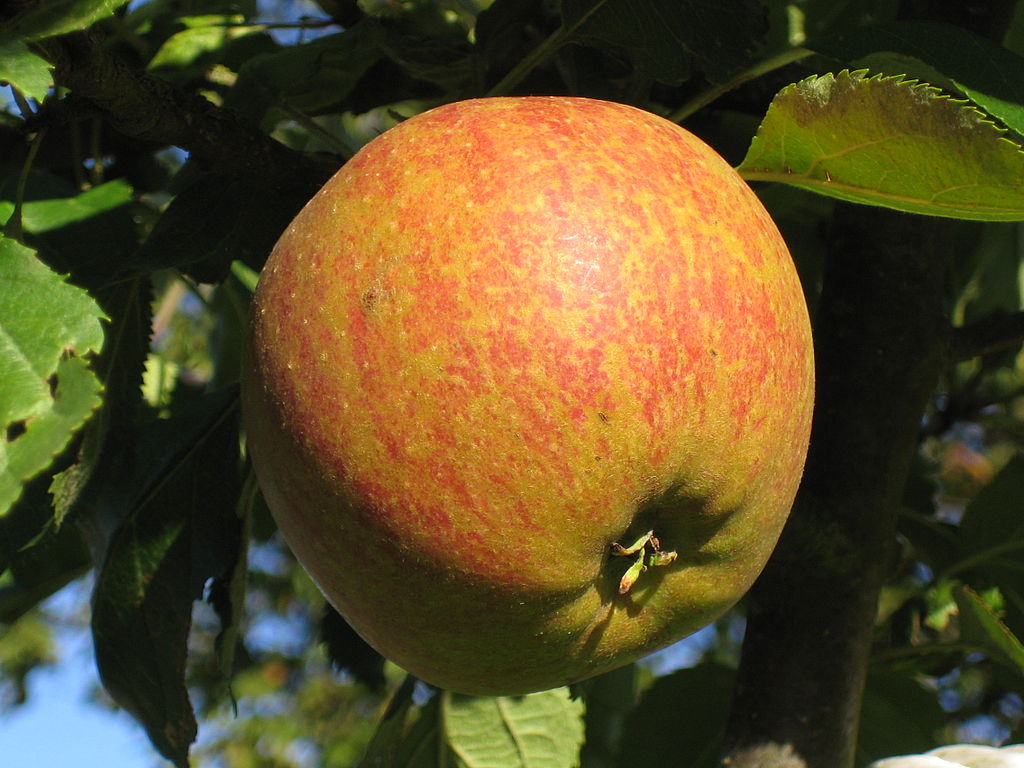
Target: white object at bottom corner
959 756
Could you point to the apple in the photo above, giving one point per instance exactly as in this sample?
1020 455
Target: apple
528 390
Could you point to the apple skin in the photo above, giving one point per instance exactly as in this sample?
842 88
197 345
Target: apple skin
508 333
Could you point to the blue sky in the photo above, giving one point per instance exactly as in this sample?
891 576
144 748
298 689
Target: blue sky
60 726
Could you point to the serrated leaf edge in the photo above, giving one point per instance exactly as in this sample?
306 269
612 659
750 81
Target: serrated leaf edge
827 185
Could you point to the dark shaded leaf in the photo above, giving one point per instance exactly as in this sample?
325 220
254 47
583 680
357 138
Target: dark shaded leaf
216 220
664 37
348 652
506 30
898 715
609 698
987 73
698 697
108 439
992 537
311 78
40 557
181 530
382 751
993 522
445 62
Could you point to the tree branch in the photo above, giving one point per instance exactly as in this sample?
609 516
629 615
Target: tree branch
880 340
148 108
992 334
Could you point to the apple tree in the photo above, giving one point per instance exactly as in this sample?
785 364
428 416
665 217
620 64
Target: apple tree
153 152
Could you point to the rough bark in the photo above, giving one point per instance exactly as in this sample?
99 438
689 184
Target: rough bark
141 105
881 341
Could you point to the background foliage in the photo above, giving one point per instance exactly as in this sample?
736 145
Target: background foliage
150 154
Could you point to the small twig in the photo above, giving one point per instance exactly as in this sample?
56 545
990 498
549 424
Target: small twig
23 104
339 147
541 53
762 67
13 228
993 334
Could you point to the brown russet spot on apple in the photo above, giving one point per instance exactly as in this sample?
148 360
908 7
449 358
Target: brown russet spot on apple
506 334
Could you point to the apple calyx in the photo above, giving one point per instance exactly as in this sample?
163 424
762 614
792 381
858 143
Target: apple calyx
644 558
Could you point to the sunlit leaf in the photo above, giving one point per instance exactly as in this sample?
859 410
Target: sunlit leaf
47 390
542 730
55 17
204 36
888 142
88 234
46 215
23 69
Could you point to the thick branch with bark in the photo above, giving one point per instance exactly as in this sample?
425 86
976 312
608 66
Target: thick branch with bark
881 343
148 108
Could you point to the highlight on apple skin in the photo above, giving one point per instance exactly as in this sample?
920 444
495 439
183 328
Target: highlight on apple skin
528 390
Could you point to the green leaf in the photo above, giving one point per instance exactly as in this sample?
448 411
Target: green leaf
107 443
697 696
55 17
23 69
993 523
981 626
664 36
348 652
311 78
609 698
216 220
88 234
942 54
542 730
204 37
992 537
47 390
888 142
382 750
180 531
46 215
42 558
446 61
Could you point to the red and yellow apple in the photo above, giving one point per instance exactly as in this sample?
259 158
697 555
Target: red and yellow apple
506 341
